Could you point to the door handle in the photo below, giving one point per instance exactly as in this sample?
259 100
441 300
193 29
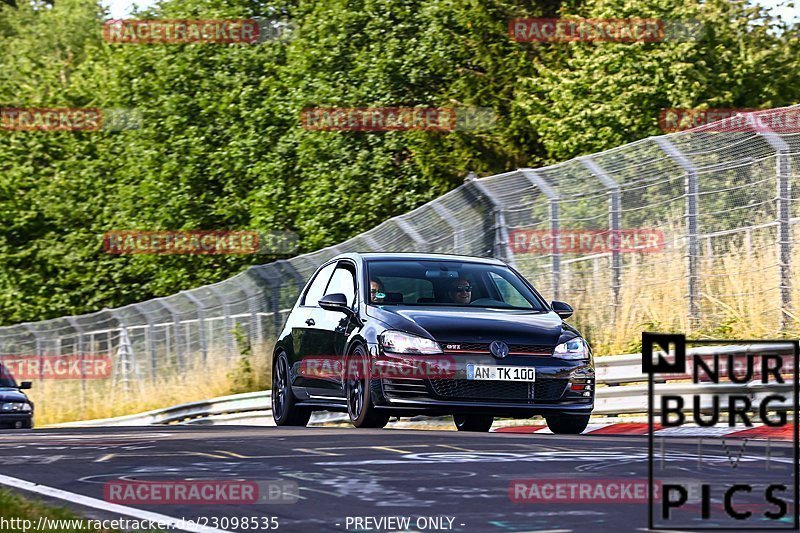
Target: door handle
310 322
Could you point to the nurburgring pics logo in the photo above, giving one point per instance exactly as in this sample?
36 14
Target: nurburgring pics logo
200 242
155 31
630 30
397 118
68 119
72 366
586 241
730 120
733 383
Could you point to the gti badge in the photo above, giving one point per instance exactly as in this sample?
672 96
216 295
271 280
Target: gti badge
499 349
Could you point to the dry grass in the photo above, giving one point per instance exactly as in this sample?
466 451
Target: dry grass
66 401
739 298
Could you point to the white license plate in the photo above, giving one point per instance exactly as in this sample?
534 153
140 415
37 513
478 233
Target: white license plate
500 373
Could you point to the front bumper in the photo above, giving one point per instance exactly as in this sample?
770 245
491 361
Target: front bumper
404 384
8 419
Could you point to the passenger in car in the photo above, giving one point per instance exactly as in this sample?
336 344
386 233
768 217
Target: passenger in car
460 291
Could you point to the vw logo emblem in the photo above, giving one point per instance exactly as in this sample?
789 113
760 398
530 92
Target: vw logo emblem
499 349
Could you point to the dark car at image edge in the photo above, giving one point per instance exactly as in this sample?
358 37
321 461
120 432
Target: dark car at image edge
384 325
16 410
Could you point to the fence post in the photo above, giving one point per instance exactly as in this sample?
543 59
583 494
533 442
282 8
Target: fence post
420 243
693 252
451 221
201 322
615 217
370 240
40 356
287 268
176 326
553 201
81 352
502 246
783 213
226 313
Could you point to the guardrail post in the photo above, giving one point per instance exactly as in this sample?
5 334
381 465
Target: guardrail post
553 205
783 215
502 246
201 322
615 217
693 248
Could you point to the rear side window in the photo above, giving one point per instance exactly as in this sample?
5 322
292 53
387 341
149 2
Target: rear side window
343 281
317 288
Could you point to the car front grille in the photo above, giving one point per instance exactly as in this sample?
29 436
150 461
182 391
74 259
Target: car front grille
513 349
541 390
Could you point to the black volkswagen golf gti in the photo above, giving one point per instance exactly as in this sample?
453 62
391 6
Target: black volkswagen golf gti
381 335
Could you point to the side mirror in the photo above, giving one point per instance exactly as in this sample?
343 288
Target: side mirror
25 385
562 309
335 302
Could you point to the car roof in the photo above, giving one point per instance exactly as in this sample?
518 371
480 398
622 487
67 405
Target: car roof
383 256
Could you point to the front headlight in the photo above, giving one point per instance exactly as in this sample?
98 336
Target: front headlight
399 342
574 350
16 406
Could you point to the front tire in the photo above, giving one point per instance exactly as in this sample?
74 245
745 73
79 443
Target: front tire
478 423
563 424
362 412
284 410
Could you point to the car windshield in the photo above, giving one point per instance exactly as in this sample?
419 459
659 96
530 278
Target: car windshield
6 380
440 283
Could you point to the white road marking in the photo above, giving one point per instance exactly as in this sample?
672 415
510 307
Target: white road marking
174 523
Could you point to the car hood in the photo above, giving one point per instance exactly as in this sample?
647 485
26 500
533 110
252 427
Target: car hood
463 324
12 395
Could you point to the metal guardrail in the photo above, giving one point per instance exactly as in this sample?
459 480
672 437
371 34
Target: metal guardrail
622 389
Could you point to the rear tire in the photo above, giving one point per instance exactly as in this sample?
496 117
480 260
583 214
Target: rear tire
362 412
284 410
563 424
478 423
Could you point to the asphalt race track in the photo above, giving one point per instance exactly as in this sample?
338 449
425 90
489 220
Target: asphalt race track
344 472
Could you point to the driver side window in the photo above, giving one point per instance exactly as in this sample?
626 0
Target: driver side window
343 281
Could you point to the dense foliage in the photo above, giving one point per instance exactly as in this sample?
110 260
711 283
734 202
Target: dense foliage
221 144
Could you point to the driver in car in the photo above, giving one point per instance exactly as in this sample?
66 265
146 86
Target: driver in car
376 291
460 291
